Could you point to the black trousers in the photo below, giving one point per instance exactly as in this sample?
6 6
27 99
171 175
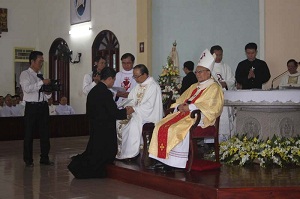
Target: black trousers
36 118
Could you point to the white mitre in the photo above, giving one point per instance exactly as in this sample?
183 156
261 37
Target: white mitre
207 60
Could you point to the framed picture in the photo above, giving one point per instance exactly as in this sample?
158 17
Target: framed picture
80 11
3 20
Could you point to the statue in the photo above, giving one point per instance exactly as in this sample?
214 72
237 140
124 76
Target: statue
174 55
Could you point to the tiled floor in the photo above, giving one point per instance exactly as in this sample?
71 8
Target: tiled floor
43 182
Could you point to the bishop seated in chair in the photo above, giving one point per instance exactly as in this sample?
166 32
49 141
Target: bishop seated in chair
170 140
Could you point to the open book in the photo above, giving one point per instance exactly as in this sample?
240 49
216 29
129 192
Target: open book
121 89
124 103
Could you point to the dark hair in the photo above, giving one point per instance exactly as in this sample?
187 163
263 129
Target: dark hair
251 46
143 69
107 72
33 55
126 55
189 65
293 61
97 58
216 47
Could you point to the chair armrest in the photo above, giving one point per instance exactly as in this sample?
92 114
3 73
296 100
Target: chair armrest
195 114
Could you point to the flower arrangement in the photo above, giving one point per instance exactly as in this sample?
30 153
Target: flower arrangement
168 79
276 151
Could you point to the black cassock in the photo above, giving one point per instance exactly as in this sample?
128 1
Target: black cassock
102 146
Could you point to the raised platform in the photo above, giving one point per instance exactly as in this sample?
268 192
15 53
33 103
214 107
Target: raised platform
228 182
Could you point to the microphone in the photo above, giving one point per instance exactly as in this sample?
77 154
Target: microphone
277 78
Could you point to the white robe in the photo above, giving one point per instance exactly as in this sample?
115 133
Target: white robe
125 80
285 80
7 111
52 109
147 104
222 72
64 110
88 83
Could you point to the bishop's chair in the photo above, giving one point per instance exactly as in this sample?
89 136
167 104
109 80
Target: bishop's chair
197 132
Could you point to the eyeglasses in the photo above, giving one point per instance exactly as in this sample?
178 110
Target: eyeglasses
135 77
200 71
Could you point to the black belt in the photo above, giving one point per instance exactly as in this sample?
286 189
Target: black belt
37 103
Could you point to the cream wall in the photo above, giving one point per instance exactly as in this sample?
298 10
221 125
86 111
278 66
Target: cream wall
114 15
37 23
282 41
21 32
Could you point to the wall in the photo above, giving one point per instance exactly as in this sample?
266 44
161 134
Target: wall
37 23
22 31
197 25
282 35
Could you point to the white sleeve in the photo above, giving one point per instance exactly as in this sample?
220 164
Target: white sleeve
88 84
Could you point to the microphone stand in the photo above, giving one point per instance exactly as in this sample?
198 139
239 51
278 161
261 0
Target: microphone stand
277 78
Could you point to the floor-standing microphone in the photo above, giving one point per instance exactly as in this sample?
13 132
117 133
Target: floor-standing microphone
277 78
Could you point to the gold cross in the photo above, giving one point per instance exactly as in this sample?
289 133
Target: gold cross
162 146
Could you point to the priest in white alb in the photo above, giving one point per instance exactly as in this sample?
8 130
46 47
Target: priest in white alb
146 102
170 139
292 78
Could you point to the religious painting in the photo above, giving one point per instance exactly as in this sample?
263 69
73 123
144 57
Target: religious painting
80 11
3 20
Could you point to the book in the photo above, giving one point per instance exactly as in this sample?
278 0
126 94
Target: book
124 103
121 89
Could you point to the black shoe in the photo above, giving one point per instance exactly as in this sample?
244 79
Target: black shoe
131 160
166 169
156 166
29 164
49 163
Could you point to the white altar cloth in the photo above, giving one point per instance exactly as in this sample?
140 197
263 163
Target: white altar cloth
270 96
266 112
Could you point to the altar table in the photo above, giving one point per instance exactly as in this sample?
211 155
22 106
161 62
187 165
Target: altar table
262 113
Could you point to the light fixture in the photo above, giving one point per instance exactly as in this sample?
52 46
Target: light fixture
76 61
80 30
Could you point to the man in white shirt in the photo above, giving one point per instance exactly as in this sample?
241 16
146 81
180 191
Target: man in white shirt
36 109
63 108
52 107
20 106
91 79
221 71
124 78
146 106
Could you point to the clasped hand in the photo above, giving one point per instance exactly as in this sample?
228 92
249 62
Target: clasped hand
251 74
183 107
46 81
129 110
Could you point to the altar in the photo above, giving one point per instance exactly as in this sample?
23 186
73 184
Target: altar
262 113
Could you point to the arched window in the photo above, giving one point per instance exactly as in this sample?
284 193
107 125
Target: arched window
59 68
107 45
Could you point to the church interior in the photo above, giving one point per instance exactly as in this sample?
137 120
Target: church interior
71 38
